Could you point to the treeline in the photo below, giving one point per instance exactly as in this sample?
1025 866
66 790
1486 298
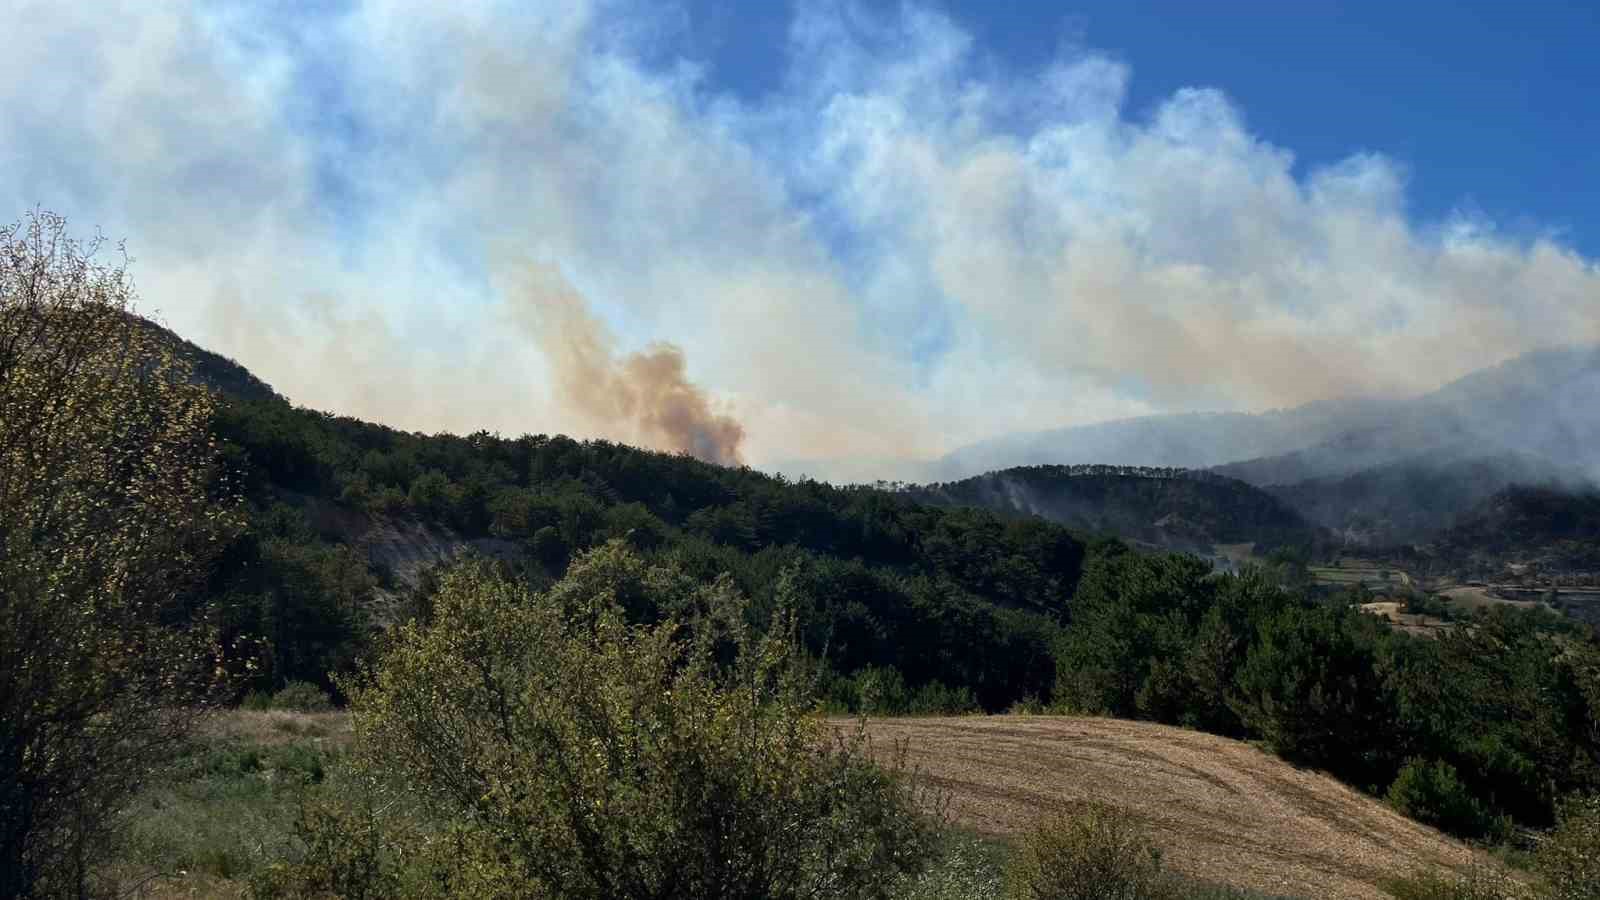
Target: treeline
957 602
1099 470
1488 726
1163 506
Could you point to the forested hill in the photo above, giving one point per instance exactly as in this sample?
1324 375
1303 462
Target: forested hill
1172 508
906 606
960 604
1549 530
215 370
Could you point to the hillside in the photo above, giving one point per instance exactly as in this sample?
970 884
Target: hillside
1539 404
1168 508
1222 810
347 519
1188 440
1539 530
1411 500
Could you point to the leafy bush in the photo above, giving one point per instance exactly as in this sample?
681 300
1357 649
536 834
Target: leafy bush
1430 792
1096 855
302 696
109 516
559 751
256 701
966 868
936 698
881 691
1569 858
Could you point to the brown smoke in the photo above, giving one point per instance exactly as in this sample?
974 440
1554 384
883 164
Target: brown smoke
643 398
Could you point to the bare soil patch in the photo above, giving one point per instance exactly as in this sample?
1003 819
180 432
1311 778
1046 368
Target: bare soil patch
1222 810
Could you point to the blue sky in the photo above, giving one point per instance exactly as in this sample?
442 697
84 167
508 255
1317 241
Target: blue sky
866 230
1488 104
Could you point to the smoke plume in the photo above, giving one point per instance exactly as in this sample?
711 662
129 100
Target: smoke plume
905 247
642 398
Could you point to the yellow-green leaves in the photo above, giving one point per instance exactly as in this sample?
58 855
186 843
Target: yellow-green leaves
575 752
106 519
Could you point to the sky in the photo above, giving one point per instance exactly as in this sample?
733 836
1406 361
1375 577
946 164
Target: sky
824 230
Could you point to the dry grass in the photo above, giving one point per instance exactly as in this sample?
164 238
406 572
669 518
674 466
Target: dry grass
1475 598
1394 612
271 728
1221 810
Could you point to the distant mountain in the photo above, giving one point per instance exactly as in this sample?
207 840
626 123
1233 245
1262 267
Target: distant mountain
1411 500
1541 404
1189 440
1170 508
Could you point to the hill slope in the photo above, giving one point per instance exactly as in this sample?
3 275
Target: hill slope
1221 810
1549 530
1540 403
346 520
1189 440
1411 500
1170 508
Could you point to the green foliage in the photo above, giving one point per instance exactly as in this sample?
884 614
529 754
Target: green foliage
1312 687
109 514
1510 705
1130 616
1430 792
1097 854
965 868
1569 858
1477 883
302 696
561 751
954 596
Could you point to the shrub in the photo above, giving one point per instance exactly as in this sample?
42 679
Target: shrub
1569 858
936 698
1098 854
559 751
109 517
1431 792
256 701
881 691
1477 883
302 696
967 868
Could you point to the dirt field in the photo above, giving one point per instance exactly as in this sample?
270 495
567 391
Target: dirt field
1222 810
1411 623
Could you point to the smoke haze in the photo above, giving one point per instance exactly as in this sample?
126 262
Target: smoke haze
904 248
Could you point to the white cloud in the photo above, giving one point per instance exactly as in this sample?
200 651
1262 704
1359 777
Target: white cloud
906 248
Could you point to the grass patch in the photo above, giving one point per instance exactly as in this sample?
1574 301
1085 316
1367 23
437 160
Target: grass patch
225 807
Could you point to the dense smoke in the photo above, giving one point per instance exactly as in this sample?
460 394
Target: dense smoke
902 249
643 398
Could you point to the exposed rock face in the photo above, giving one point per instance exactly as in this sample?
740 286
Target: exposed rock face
400 549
